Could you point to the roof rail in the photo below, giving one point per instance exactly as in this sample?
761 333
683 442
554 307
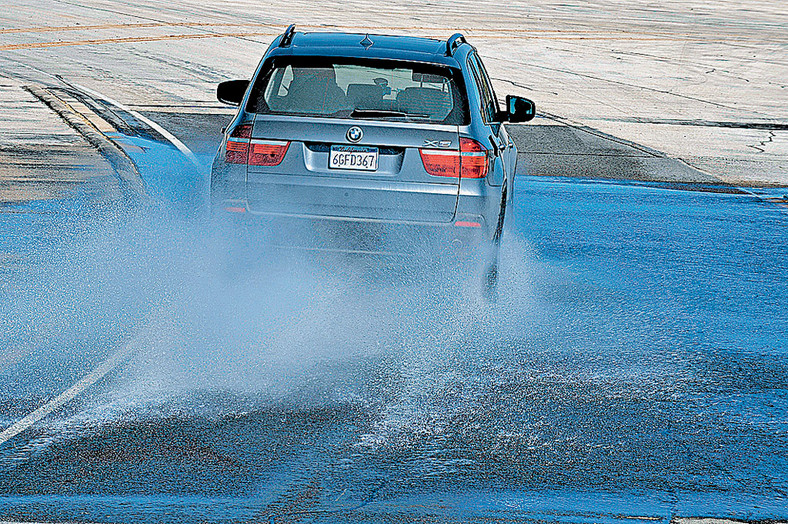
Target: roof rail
454 42
287 36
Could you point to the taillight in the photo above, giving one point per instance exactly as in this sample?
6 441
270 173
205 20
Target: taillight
242 149
471 161
267 152
237 147
474 159
439 162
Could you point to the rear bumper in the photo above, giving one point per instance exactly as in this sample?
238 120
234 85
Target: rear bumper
330 233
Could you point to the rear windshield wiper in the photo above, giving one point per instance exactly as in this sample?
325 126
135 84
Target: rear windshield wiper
372 113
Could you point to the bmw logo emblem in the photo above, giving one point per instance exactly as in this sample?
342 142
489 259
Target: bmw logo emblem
354 134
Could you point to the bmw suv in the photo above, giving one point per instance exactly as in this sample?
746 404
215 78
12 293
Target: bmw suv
374 131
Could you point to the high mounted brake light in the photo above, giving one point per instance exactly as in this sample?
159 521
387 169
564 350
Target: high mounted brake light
471 161
242 149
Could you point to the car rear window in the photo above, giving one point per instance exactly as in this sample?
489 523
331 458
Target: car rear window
377 90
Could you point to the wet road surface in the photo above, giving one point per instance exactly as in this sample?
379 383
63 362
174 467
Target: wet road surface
634 364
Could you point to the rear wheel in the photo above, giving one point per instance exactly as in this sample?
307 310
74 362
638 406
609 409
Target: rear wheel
490 289
490 282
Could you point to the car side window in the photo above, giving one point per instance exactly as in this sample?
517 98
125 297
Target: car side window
489 103
477 84
486 79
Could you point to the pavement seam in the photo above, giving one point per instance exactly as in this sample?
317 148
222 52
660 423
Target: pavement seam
645 149
125 168
601 134
752 191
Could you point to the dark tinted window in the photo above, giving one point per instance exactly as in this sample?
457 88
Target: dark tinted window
376 90
489 106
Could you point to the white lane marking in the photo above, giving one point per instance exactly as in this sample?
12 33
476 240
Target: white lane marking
88 380
152 327
163 132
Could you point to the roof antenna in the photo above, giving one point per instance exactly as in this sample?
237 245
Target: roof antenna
367 43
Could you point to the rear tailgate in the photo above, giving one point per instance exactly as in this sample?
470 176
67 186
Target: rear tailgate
399 189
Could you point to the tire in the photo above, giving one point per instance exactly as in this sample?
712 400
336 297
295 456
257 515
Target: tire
490 278
490 282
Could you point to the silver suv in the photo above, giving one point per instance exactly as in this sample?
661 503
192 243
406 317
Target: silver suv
386 133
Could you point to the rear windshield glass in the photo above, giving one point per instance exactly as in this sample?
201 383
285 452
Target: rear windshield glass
374 90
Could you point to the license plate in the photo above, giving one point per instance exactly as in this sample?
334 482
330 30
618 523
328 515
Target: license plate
357 158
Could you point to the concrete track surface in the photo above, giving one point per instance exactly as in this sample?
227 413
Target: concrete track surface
633 369
702 83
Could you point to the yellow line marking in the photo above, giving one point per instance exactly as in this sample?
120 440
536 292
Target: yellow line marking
48 29
101 125
128 39
134 39
499 33
470 30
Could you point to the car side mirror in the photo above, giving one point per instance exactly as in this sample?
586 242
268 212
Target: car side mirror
519 109
232 92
